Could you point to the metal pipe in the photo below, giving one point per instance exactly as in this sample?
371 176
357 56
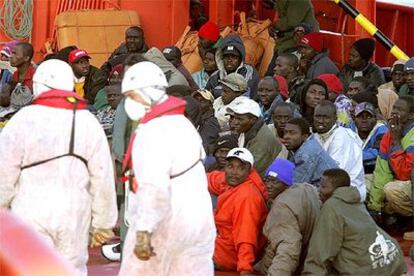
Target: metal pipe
372 29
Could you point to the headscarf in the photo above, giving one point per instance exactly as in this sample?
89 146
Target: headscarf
386 100
333 83
283 86
343 110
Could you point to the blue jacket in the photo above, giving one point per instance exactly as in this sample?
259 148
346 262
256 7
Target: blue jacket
371 146
311 160
267 114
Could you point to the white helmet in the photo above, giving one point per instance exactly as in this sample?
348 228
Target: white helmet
52 73
143 75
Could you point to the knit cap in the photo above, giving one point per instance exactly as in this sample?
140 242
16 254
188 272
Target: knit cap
282 170
209 31
171 52
365 47
333 83
226 141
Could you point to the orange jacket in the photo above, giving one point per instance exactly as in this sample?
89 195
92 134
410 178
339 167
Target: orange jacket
240 214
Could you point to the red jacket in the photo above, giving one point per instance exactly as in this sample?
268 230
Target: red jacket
240 214
28 77
401 158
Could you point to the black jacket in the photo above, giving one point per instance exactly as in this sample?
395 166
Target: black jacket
95 81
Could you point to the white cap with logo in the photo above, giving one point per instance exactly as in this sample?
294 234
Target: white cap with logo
241 153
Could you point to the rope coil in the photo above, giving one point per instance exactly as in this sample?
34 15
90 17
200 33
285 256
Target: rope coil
16 18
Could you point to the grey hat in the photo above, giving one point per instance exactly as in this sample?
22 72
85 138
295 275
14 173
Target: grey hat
235 82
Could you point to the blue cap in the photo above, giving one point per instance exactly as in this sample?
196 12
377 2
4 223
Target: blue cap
409 65
282 170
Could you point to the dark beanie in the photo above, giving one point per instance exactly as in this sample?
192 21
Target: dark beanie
226 141
365 47
366 97
171 52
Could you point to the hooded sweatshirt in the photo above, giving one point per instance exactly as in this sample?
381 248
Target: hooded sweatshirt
240 214
174 77
247 71
321 64
288 229
346 241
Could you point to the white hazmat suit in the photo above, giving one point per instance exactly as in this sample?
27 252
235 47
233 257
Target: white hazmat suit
63 197
176 210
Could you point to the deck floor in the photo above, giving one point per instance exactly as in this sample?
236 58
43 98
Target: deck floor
99 266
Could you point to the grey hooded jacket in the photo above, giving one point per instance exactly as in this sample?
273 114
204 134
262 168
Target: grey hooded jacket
321 64
174 77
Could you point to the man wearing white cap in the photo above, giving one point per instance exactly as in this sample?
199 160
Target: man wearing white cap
240 213
171 226
56 169
253 133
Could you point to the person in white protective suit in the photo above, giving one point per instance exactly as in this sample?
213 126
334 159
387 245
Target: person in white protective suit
56 170
171 229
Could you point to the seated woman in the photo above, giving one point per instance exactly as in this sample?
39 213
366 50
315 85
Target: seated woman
311 95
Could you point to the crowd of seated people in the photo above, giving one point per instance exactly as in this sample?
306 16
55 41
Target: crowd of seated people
305 165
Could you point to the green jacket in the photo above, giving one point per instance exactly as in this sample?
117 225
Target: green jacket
101 100
291 14
263 145
405 91
346 241
392 163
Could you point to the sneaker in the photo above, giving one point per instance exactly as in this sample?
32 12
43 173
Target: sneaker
112 252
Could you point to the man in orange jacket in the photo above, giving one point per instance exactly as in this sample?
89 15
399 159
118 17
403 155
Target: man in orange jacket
240 214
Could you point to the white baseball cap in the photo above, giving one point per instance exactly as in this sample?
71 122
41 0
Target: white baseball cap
246 106
241 153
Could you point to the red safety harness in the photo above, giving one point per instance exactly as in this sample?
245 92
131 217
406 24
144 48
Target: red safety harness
172 106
